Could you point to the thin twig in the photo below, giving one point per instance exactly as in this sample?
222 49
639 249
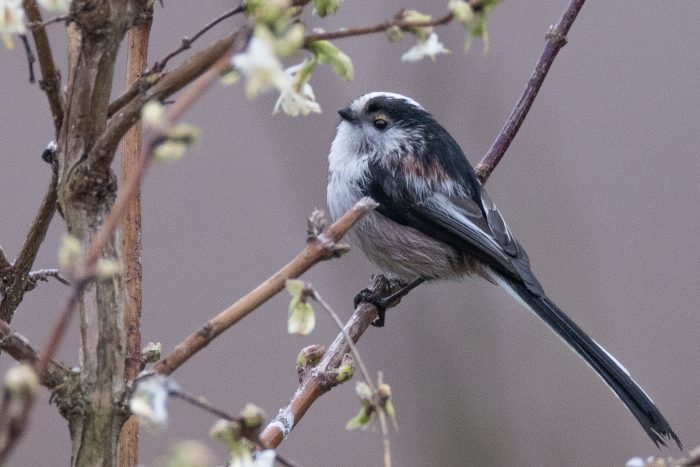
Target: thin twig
365 374
204 404
30 57
187 42
143 84
555 40
126 113
360 31
50 76
320 247
42 24
136 61
43 275
313 388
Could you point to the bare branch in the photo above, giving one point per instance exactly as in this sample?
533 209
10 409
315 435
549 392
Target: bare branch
50 75
381 27
30 57
18 347
136 62
319 247
27 254
125 110
187 42
555 40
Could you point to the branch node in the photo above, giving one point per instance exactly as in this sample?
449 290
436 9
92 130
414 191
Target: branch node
207 331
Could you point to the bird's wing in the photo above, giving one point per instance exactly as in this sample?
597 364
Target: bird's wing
468 222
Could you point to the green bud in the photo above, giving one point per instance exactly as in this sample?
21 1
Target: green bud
311 355
185 134
151 353
414 16
225 431
107 267
69 253
346 370
462 11
394 34
328 53
326 7
252 416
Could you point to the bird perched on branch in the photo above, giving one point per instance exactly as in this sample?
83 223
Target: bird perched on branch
435 221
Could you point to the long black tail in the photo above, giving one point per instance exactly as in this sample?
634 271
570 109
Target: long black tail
613 373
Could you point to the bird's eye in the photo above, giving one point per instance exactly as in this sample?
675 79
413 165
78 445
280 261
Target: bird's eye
380 123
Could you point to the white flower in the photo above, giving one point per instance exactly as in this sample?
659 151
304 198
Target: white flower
294 101
260 66
59 6
12 20
265 458
430 48
149 402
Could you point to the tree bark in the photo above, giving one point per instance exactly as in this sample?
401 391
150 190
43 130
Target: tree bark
86 192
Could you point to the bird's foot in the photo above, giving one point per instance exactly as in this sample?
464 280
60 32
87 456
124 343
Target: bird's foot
396 289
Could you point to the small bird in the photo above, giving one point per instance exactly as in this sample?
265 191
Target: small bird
435 221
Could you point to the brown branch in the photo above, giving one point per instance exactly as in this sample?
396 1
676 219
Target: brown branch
50 75
104 234
319 247
381 27
365 375
555 40
127 112
314 385
127 192
27 254
17 346
186 42
136 62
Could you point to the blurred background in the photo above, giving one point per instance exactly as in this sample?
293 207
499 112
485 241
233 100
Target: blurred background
600 186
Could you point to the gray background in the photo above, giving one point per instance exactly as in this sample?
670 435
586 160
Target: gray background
601 186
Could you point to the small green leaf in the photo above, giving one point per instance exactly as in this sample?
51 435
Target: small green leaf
294 287
361 420
302 318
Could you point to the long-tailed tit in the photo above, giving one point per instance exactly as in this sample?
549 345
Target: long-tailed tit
435 221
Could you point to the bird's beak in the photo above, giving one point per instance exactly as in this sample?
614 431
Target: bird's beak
347 114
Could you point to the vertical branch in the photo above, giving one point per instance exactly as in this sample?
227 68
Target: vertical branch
136 62
556 39
50 75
